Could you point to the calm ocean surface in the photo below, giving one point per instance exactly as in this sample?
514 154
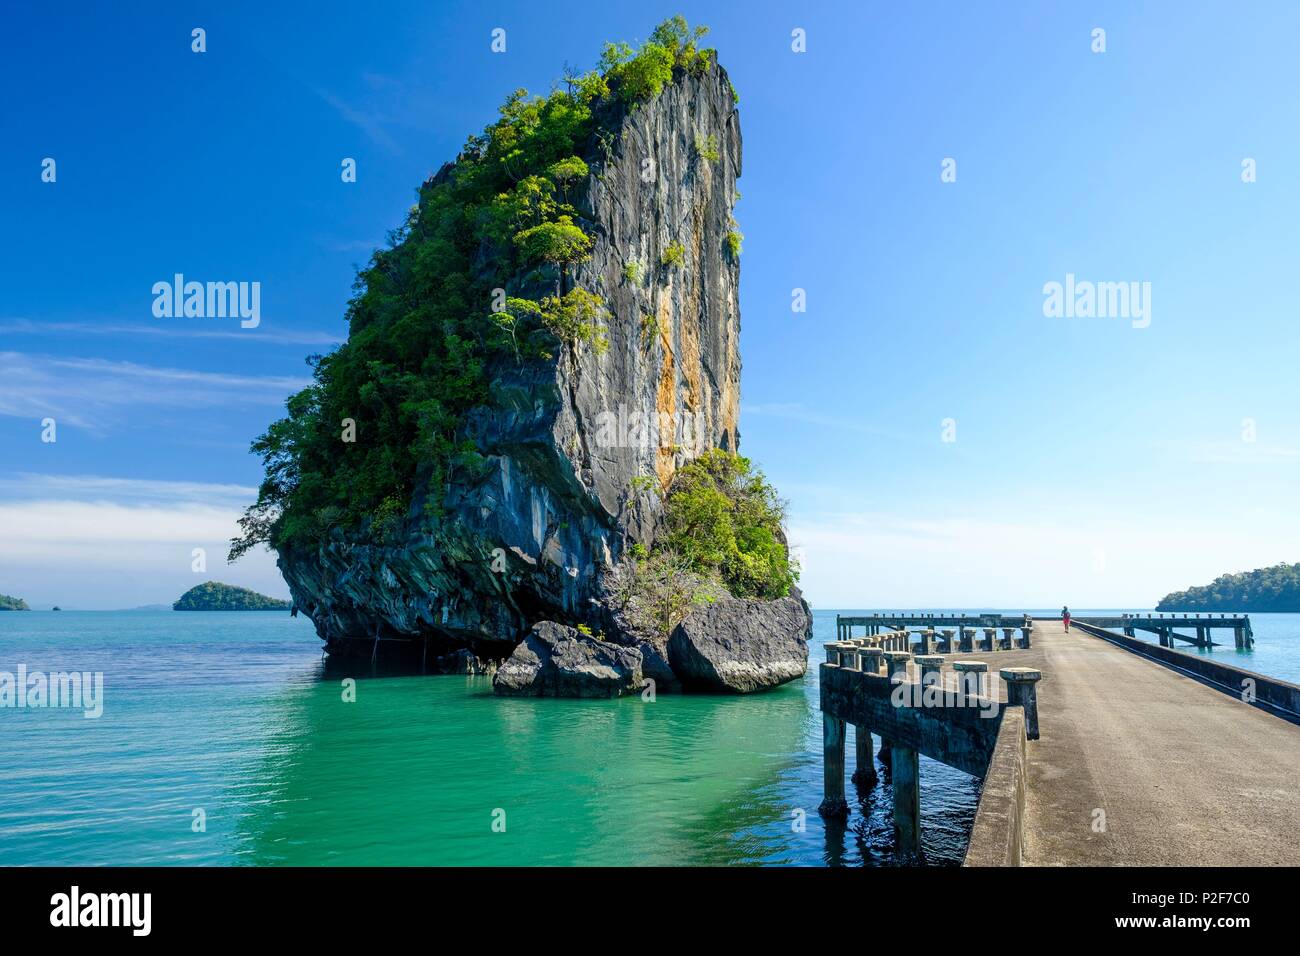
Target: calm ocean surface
232 713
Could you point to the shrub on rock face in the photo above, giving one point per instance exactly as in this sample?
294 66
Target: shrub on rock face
654 591
724 518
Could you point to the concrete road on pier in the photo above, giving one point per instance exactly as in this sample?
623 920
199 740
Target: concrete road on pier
1141 765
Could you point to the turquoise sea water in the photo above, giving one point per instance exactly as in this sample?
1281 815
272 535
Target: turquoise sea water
234 714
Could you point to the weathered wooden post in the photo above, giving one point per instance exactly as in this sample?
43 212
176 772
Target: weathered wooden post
905 775
833 803
1022 683
970 679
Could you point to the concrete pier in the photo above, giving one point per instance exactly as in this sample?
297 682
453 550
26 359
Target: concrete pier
1092 750
1139 765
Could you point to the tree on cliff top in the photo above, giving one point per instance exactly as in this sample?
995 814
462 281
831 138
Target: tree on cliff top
386 408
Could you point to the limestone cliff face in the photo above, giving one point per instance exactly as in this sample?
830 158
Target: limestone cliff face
572 444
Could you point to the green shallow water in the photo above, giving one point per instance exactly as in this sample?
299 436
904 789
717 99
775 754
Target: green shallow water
235 715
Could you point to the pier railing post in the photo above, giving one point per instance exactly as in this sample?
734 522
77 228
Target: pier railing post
1022 683
970 677
871 658
931 670
896 661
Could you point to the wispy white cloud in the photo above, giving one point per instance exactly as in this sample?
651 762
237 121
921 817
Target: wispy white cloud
798 412
262 334
1237 452
87 392
28 485
369 122
91 541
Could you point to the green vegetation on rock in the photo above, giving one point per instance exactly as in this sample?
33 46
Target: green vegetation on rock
1272 589
725 519
642 74
8 603
215 596
428 323
734 239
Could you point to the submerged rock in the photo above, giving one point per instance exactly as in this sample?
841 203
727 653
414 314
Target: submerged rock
742 645
558 661
464 661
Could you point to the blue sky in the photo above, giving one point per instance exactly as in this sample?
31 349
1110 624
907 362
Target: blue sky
1095 462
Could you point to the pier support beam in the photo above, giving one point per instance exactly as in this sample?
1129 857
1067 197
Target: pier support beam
905 775
833 803
864 775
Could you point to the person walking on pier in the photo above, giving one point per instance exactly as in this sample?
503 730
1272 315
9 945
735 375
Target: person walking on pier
1065 618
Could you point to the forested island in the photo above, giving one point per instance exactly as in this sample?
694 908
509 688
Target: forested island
8 603
215 596
527 450
1275 589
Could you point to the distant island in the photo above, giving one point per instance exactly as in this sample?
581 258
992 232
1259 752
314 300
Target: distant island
1275 589
8 603
215 596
